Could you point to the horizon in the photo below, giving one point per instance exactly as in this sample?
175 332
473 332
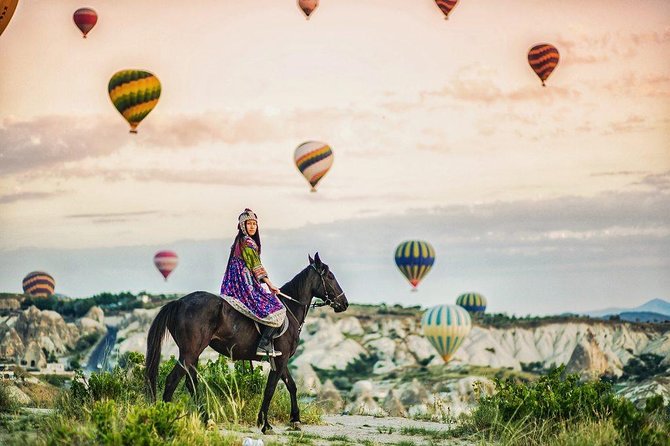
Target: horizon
544 200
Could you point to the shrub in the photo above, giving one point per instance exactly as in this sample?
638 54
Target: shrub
7 402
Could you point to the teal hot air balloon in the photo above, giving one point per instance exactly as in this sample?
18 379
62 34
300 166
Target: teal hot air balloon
472 302
446 326
414 259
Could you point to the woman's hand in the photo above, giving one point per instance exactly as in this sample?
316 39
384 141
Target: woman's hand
273 289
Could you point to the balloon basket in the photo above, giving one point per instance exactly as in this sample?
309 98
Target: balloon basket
133 131
312 190
414 290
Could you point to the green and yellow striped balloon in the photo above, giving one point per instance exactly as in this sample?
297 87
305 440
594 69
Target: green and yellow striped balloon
134 93
446 326
472 302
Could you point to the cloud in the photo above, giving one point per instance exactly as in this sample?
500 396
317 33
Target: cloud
24 196
112 217
633 123
659 182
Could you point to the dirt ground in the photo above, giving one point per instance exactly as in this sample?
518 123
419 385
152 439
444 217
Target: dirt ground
364 430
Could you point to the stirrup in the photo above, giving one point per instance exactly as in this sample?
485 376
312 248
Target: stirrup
272 353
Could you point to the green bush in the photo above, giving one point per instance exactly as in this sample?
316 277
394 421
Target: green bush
546 406
7 403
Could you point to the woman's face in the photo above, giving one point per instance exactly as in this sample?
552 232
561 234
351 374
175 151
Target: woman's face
251 226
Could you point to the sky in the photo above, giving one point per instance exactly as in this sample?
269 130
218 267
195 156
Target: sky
545 200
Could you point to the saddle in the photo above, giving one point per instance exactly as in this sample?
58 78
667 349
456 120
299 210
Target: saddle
277 333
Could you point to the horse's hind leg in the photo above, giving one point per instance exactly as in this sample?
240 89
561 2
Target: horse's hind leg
192 378
173 379
292 390
270 386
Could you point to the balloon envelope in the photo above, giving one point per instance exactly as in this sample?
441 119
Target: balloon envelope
446 6
39 284
166 261
543 58
472 302
414 259
445 327
85 19
134 93
313 159
308 6
7 8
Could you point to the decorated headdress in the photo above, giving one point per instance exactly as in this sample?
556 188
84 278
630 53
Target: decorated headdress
248 214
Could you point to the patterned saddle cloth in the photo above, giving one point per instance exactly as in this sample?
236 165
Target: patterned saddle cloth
274 319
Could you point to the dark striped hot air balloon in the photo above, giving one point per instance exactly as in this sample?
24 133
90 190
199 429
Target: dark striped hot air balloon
445 327
166 261
472 302
446 6
313 159
7 8
414 259
308 7
39 284
543 58
134 93
85 19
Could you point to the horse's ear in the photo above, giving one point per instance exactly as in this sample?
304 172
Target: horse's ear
317 259
311 260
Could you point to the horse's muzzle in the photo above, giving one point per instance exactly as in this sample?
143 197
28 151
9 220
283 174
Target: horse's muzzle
341 304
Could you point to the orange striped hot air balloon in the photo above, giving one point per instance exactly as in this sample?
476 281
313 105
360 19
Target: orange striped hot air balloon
39 284
446 6
166 261
7 8
85 19
313 159
543 58
308 7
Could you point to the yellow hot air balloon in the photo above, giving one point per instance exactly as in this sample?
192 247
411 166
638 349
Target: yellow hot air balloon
39 284
7 8
446 326
134 93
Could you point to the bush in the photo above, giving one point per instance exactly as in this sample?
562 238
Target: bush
646 366
548 405
7 402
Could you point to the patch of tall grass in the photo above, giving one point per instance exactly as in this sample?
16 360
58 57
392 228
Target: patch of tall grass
559 409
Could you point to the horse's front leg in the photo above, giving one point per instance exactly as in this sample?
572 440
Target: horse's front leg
293 391
270 387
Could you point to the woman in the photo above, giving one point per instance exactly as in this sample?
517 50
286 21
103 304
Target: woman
242 281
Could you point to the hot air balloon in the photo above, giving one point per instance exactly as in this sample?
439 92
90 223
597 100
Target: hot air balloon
313 159
472 302
446 326
308 6
414 259
39 284
166 261
543 58
7 8
85 19
134 93
446 6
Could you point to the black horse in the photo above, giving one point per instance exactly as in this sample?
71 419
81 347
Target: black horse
200 319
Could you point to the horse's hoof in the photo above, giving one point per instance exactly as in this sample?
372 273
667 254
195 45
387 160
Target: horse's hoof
296 426
268 431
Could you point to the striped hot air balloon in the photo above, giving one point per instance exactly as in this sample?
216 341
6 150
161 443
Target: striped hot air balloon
134 93
414 259
313 159
166 261
308 6
39 284
85 19
7 8
446 6
543 58
446 326
472 302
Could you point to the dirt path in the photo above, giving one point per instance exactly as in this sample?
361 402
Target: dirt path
365 430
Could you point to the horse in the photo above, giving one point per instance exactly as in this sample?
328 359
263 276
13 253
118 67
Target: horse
200 319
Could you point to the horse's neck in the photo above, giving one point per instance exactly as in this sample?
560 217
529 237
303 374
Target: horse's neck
299 289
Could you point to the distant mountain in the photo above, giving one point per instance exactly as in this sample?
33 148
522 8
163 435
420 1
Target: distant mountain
658 307
643 316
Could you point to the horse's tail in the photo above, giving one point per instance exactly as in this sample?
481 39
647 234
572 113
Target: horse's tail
164 320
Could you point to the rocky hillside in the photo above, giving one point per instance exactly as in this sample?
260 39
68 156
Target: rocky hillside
371 360
33 336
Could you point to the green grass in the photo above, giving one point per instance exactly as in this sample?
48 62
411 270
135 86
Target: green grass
429 433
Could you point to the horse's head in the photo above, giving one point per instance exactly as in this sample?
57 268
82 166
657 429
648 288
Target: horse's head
325 286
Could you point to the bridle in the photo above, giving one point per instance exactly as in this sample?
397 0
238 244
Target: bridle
326 300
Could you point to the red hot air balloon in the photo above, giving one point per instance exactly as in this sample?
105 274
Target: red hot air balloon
543 58
85 19
446 6
166 261
308 6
